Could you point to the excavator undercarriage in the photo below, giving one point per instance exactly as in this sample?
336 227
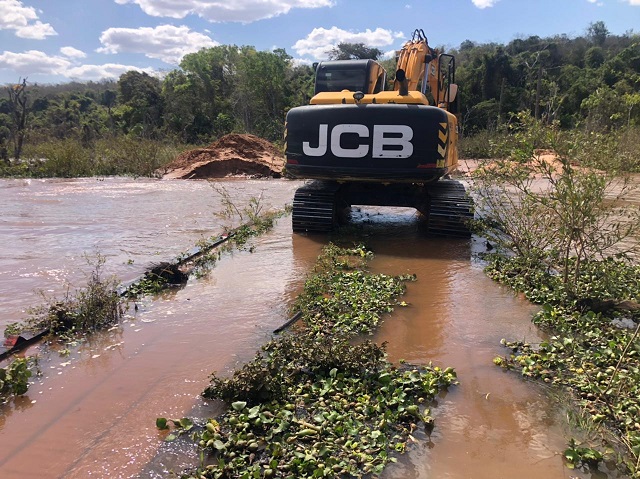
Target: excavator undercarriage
320 205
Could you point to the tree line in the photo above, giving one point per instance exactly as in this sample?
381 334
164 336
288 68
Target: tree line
591 81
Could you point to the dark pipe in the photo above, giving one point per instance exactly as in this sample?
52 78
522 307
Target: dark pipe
401 78
293 319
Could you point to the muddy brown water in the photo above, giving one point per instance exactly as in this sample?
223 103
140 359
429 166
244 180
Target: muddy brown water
92 413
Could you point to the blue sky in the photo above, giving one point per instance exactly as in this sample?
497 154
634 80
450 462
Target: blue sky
56 41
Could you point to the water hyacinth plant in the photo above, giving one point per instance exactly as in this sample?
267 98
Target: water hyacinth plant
593 349
14 378
313 403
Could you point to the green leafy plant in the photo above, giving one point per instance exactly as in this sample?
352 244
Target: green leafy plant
577 456
313 403
13 329
14 378
181 426
546 209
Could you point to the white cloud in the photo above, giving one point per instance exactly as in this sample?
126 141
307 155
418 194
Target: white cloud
321 40
297 62
34 62
634 3
37 31
72 52
14 15
484 3
101 72
23 20
244 11
164 42
389 54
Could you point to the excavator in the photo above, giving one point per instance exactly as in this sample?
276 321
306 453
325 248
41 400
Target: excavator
364 145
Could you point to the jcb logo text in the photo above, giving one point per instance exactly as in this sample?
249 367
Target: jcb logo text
382 144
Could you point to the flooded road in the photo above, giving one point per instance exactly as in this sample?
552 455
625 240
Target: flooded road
92 414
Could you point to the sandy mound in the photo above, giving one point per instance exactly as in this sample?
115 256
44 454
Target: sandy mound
233 154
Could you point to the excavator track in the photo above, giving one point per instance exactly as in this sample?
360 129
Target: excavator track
314 207
450 209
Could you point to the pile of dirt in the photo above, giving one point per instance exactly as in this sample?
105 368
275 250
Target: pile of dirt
231 155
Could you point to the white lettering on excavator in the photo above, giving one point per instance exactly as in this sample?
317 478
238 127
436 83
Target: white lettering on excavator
402 146
321 149
404 141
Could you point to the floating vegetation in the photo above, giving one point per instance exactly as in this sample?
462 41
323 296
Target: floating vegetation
342 297
160 277
313 403
594 349
14 378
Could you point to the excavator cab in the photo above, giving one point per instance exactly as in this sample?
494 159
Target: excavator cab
367 76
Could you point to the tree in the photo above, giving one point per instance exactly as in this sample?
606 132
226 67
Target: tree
354 51
594 57
140 93
467 45
187 114
631 101
19 108
597 32
212 79
260 94
604 110
299 85
108 99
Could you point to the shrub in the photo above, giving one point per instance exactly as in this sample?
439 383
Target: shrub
14 379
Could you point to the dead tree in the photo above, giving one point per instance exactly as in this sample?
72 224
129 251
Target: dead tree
18 99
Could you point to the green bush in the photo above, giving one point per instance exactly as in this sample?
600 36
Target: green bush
61 158
482 145
14 379
94 307
126 155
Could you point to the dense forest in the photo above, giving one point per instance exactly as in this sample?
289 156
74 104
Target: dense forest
591 82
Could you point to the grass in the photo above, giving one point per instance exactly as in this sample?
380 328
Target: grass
70 158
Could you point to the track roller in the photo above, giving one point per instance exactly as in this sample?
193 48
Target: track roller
315 207
450 209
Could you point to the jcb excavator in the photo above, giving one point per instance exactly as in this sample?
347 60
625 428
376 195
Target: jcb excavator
367 146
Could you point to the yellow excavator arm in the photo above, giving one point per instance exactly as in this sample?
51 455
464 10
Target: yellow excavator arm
420 68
